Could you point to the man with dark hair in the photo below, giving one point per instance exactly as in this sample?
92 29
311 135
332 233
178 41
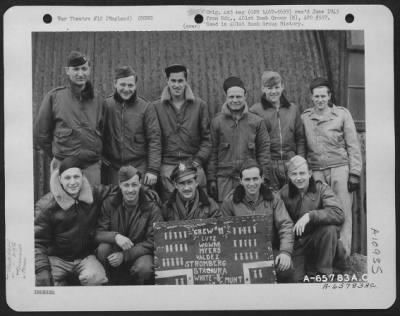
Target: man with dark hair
253 197
69 122
333 150
185 127
125 231
131 131
65 222
317 215
236 135
188 201
284 126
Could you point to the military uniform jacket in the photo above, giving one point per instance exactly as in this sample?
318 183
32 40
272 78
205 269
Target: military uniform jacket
234 141
203 207
65 227
131 133
268 204
332 140
284 126
320 202
69 123
136 223
185 134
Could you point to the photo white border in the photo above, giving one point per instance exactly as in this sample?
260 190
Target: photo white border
20 22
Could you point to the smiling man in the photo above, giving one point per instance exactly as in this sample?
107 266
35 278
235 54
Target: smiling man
253 197
236 135
284 125
65 222
317 215
188 201
125 231
185 127
69 121
333 150
131 131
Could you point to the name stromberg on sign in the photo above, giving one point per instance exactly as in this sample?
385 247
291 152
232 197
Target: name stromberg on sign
230 250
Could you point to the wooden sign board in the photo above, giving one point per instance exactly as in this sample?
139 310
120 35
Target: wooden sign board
229 250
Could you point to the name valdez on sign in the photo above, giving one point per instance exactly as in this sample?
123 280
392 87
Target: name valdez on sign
230 250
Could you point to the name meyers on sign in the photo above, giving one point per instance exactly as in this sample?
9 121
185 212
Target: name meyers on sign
230 250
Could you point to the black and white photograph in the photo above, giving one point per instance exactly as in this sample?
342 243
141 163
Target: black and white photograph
231 151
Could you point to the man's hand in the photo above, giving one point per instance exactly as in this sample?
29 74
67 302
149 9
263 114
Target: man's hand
44 278
115 259
283 261
123 242
149 179
300 226
212 189
353 184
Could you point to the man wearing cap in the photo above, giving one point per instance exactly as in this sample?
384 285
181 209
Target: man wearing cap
253 197
333 150
131 131
69 122
284 126
188 201
125 231
236 135
317 215
185 127
65 223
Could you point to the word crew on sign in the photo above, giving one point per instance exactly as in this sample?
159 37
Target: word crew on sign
231 250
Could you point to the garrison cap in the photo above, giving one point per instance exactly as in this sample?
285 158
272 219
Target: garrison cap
270 78
174 68
70 162
319 82
123 72
127 172
76 58
183 169
296 162
233 82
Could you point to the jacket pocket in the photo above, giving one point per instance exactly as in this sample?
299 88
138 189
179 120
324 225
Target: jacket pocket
223 152
139 139
65 141
251 148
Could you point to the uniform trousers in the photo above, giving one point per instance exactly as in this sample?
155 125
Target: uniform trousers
138 272
337 179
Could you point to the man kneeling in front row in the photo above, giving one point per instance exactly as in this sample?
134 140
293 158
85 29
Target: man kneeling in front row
125 231
65 222
317 215
253 197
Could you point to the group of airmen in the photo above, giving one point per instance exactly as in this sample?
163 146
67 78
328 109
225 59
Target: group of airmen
120 164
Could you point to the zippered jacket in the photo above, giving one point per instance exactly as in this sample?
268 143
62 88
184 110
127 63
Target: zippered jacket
185 135
69 123
236 140
332 140
269 204
136 224
320 202
131 133
284 126
65 227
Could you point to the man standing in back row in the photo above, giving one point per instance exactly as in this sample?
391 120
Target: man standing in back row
69 122
284 126
333 150
131 131
185 127
237 135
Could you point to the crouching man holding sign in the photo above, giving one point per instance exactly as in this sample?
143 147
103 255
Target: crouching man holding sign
252 197
125 231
